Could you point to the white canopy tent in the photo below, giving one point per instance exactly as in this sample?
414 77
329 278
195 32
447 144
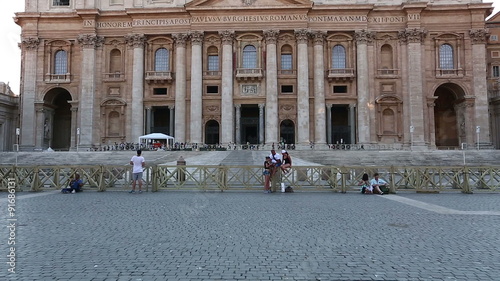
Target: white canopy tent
157 136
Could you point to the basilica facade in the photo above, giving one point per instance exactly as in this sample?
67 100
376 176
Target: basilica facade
398 73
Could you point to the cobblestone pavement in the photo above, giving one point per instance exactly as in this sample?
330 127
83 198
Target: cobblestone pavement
187 235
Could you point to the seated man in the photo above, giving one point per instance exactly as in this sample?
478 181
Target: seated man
377 183
75 185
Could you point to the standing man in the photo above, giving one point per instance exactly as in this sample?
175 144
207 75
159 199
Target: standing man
139 163
276 175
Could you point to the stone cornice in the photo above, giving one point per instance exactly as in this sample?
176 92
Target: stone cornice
271 36
135 40
30 43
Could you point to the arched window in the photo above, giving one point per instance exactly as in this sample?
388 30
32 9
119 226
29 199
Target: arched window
286 58
213 58
338 57
446 60
162 60
61 62
115 61
249 57
386 57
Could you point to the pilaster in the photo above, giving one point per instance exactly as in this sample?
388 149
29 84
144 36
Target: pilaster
319 88
227 109
271 134
180 87
196 87
302 37
363 37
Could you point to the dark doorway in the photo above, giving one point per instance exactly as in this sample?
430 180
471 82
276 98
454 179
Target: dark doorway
287 131
61 124
249 123
341 131
445 116
212 132
160 120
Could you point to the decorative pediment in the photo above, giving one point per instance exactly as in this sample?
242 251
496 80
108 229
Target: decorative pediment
209 4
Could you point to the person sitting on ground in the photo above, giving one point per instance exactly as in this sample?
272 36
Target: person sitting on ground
287 161
376 183
366 187
75 185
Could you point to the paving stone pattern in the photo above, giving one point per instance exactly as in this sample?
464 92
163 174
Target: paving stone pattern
189 235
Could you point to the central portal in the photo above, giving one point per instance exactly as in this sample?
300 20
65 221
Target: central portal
249 123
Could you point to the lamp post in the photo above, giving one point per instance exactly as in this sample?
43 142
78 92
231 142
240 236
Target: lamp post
478 130
18 132
412 129
77 138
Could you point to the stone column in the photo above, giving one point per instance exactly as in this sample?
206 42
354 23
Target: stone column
302 36
180 87
149 114
432 126
89 43
196 88
352 122
363 37
319 89
478 38
28 96
227 109
238 123
328 123
414 39
469 118
261 123
271 134
171 124
39 127
136 41
74 125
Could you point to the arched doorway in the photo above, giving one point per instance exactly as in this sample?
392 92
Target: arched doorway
57 123
449 120
287 131
212 132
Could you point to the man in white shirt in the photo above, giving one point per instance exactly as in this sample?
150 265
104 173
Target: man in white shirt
376 183
139 163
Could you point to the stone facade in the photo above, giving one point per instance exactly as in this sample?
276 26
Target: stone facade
401 73
493 67
8 118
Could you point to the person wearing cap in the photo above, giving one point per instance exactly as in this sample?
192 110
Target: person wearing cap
286 163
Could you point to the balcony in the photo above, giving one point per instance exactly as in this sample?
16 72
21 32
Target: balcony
212 74
287 72
387 73
341 74
450 73
159 76
249 73
58 78
114 77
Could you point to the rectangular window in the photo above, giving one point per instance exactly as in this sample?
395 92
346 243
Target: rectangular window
213 63
496 71
286 61
60 3
212 89
287 89
494 38
340 89
160 91
116 2
495 54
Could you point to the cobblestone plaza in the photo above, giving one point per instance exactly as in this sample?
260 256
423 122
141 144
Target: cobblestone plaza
188 235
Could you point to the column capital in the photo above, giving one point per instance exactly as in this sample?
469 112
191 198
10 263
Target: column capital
302 35
180 39
329 105
171 107
237 106
135 40
412 35
318 37
196 37
30 43
364 36
227 37
261 106
271 36
90 40
478 36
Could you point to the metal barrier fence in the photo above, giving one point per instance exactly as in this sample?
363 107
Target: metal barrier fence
301 178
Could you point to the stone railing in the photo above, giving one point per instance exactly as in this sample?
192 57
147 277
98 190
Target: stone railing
343 179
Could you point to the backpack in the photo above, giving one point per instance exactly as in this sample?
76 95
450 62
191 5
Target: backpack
288 189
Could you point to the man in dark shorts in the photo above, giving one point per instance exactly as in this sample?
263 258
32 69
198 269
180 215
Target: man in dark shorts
139 163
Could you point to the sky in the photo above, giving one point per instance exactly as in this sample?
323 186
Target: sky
10 54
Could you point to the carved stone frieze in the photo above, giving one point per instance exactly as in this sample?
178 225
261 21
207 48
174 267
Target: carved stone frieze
196 37
364 36
478 36
30 43
271 36
318 37
180 39
302 35
227 37
135 40
412 35
90 40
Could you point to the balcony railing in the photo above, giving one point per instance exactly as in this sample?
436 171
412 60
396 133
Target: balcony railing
388 72
212 73
341 73
159 76
450 73
287 72
249 73
58 78
113 77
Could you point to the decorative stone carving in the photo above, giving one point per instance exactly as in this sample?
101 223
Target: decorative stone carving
248 2
196 37
135 40
412 35
271 36
364 36
318 37
30 43
302 35
180 39
478 36
227 37
90 40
